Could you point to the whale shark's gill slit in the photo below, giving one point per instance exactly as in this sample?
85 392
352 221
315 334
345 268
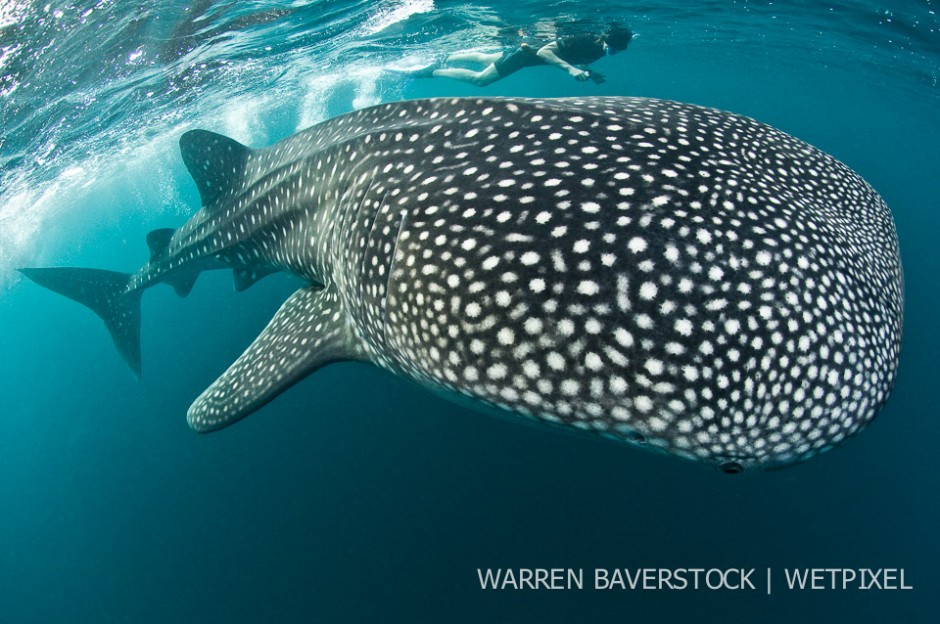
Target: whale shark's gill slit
403 217
372 217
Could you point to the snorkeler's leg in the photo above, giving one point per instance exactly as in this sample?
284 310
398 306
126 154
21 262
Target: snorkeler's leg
484 58
480 78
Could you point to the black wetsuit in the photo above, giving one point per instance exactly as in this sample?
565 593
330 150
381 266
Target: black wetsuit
576 50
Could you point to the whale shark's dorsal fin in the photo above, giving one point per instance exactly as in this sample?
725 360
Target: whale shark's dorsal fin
310 331
216 163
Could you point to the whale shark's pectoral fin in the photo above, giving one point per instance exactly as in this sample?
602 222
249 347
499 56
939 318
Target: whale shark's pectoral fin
310 330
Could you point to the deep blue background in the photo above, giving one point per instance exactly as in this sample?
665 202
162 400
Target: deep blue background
357 497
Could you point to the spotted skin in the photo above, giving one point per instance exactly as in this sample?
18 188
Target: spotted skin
309 331
655 272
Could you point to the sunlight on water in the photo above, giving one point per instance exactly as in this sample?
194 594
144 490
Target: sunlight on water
28 215
242 118
21 215
37 219
388 16
316 90
367 93
12 12
33 198
219 71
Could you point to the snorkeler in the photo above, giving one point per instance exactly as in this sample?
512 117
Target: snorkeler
570 53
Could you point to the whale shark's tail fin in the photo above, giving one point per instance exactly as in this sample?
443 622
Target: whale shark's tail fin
106 293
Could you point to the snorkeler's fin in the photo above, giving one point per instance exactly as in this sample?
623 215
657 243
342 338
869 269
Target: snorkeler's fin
107 294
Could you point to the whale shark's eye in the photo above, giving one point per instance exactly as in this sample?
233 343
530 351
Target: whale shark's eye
731 467
637 438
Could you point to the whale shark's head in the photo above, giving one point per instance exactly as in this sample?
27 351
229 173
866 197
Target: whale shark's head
660 273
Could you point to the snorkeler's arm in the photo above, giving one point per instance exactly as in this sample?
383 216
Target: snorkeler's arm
548 53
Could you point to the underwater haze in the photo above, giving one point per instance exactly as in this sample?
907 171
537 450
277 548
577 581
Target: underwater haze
357 496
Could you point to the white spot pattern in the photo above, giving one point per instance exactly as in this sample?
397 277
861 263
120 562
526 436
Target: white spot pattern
639 268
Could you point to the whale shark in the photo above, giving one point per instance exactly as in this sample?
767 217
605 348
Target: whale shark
668 275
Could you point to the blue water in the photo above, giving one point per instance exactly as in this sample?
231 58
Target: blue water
356 497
